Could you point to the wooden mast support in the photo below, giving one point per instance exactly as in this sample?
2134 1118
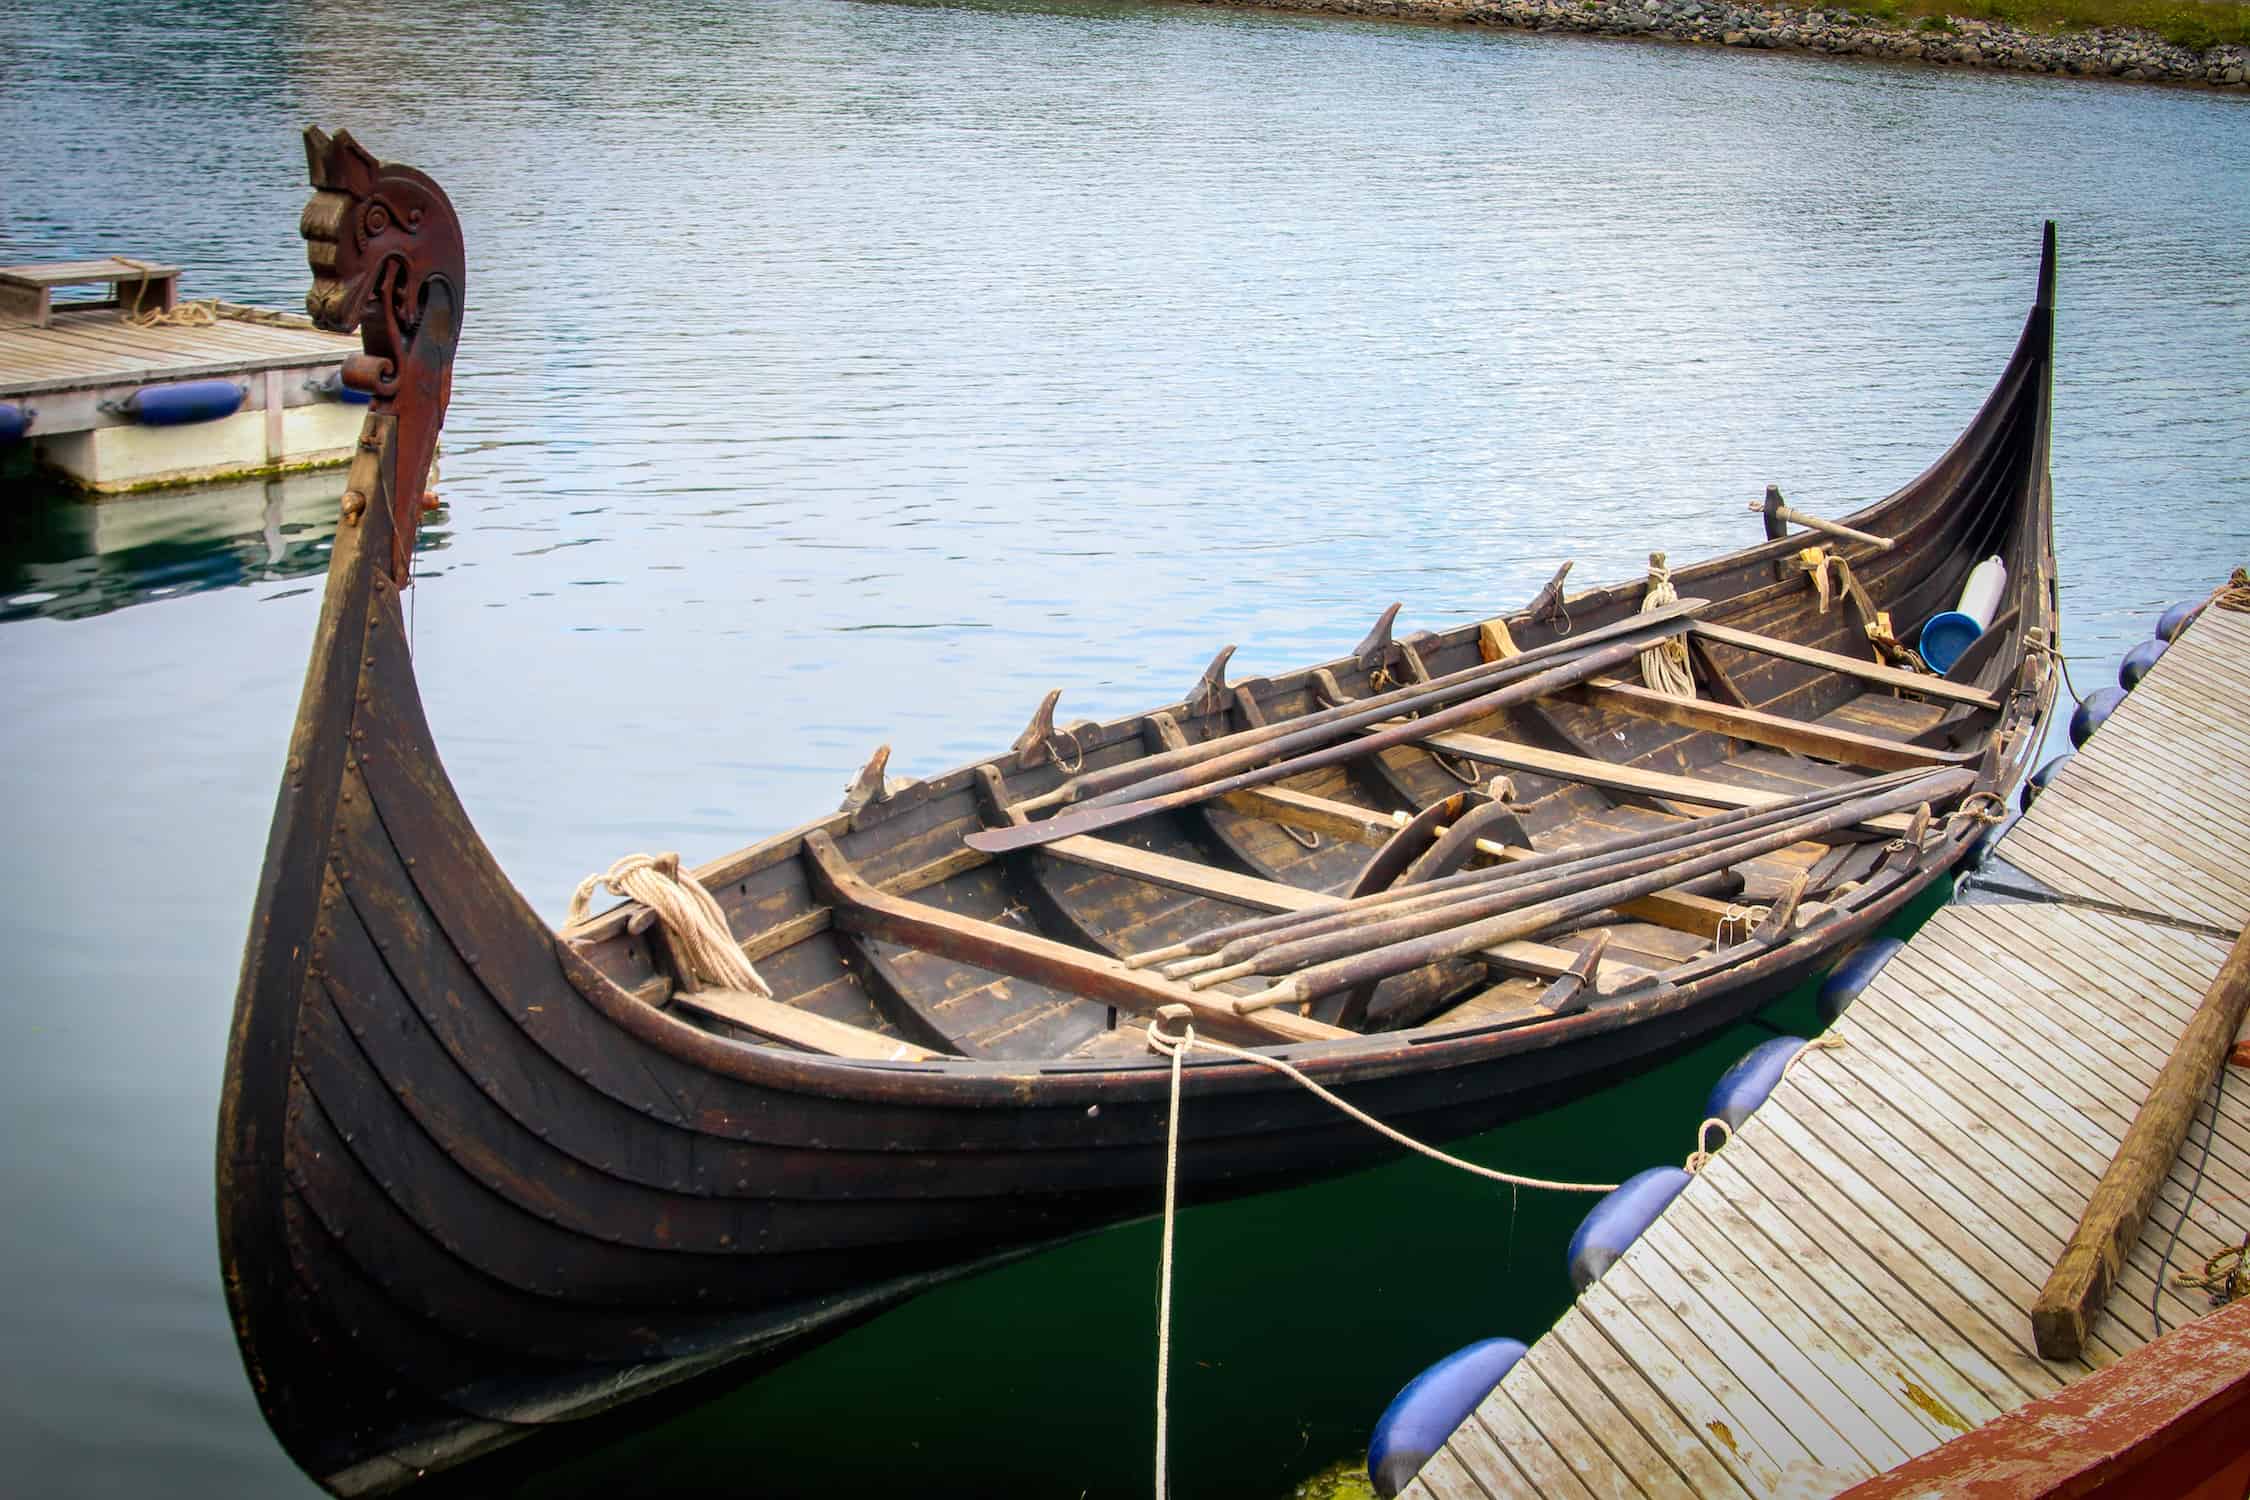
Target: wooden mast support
2111 1225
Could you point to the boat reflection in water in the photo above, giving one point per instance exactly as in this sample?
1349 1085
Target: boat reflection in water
68 556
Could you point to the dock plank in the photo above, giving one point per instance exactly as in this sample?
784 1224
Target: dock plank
1849 1279
83 350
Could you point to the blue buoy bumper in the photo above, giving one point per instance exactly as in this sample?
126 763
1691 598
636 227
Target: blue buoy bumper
1611 1226
1421 1417
332 387
1743 1087
179 404
1946 636
2137 663
1857 971
2174 620
15 421
2037 781
2093 713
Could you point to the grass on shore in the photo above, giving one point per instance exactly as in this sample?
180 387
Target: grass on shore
2185 23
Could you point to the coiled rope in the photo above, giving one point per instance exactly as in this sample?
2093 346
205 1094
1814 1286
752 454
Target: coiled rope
1177 1048
696 928
1664 666
199 314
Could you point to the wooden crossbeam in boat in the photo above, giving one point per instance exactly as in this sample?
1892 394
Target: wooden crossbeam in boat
802 1028
1602 773
1867 751
1273 895
861 907
1865 671
1681 911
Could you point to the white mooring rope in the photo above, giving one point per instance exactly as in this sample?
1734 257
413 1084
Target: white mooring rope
1177 1047
694 925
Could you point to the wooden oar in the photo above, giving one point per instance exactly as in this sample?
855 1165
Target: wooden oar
1411 698
1936 788
1210 779
1298 948
1236 941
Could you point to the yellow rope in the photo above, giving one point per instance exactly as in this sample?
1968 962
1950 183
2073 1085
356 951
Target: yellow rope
2236 594
693 923
1822 561
203 313
1664 666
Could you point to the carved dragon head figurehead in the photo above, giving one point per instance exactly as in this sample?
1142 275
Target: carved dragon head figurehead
387 259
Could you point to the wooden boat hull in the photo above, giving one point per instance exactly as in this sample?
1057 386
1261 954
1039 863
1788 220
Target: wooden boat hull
477 1177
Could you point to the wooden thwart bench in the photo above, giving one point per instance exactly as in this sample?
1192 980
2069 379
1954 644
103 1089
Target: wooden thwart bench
27 292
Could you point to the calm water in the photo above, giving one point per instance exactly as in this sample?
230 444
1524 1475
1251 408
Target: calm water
838 373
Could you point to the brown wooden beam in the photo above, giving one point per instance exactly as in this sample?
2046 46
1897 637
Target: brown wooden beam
1681 911
802 1028
2111 1225
1272 895
1588 771
1866 751
1865 671
861 907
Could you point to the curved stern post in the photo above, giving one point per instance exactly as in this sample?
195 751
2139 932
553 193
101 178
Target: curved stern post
386 254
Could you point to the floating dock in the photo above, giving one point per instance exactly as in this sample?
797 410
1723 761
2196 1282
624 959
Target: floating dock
76 378
1848 1283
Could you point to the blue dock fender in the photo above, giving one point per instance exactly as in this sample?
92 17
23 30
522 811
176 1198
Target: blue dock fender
1423 1415
15 421
183 402
2174 620
2137 662
2037 781
1611 1226
331 387
2090 715
1743 1087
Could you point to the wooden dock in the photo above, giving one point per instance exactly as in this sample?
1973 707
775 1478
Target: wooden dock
72 368
1848 1283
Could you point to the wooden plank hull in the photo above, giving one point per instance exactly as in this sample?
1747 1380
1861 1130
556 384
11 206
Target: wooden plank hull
477 1177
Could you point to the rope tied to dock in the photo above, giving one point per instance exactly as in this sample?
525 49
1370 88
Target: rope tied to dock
1664 666
206 311
2225 1276
1177 1047
198 314
1704 1150
693 924
2236 594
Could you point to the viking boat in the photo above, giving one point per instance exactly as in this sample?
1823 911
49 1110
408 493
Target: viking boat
477 1175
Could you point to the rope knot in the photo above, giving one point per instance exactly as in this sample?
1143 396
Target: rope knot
1988 808
1701 1156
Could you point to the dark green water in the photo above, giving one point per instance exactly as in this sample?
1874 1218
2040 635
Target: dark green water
839 373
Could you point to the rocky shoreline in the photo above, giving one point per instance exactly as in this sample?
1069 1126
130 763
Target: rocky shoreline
2107 52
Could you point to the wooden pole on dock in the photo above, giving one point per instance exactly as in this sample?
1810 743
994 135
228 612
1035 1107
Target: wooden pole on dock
2111 1225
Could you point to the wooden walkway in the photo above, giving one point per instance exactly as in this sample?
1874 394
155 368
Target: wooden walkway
97 349
1848 1283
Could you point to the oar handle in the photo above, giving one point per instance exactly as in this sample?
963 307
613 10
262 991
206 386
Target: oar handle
1832 528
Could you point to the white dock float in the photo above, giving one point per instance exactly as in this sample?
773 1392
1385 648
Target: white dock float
71 365
1849 1282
